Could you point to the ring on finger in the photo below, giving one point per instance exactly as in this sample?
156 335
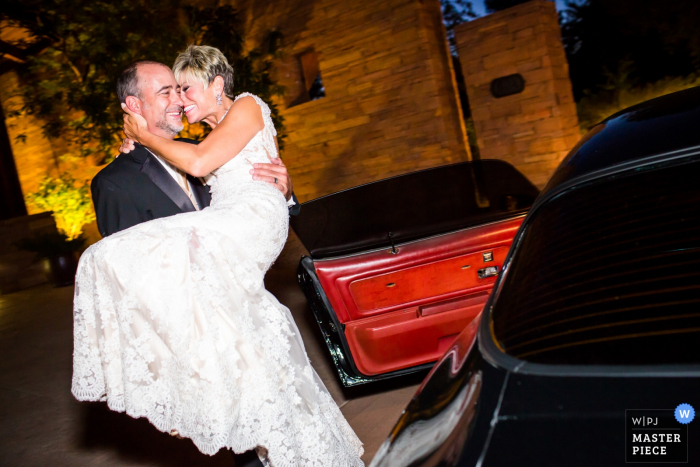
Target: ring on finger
275 180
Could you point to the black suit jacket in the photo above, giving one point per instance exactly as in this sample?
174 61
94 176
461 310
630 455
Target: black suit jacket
136 188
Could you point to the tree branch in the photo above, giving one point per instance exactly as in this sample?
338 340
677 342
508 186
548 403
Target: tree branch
12 51
70 64
20 55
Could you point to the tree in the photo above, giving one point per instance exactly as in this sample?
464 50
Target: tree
622 52
454 13
69 202
71 85
632 41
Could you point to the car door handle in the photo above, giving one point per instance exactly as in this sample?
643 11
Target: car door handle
487 272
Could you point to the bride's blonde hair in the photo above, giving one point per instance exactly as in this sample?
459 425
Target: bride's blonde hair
204 63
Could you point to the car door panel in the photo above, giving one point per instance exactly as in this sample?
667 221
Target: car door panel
406 338
423 272
436 292
425 282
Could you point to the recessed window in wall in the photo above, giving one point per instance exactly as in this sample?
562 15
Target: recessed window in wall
313 87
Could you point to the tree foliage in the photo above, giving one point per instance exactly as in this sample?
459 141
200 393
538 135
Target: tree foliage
630 42
69 201
622 52
71 85
454 13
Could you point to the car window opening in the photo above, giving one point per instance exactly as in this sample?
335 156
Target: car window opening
608 273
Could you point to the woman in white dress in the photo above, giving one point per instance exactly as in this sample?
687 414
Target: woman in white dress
172 320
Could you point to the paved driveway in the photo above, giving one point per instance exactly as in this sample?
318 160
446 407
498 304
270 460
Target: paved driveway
42 424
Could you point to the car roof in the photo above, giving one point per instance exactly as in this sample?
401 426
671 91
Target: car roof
661 128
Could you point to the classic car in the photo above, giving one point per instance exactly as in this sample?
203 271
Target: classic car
594 319
398 267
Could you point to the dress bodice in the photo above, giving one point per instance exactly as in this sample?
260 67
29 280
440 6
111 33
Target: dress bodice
227 181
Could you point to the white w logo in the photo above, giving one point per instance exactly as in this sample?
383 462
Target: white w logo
684 413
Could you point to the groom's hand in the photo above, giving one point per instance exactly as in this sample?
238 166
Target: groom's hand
275 173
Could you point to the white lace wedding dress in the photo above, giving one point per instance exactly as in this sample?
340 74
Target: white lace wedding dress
172 322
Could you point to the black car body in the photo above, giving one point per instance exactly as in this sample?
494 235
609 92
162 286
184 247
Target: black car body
595 317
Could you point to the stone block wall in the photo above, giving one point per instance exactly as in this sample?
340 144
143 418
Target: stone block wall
535 129
34 156
390 105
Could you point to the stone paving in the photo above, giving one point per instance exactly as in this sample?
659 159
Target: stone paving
42 424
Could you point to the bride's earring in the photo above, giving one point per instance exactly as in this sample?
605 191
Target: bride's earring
219 101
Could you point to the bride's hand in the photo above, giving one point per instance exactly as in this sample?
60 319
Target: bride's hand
135 125
127 146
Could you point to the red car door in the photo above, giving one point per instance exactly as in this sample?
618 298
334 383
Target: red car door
399 267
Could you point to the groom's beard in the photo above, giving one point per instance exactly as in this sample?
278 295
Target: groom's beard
168 126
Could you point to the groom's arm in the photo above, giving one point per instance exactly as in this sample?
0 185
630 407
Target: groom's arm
113 207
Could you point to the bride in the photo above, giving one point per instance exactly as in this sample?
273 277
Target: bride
171 318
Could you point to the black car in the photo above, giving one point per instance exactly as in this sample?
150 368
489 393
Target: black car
590 340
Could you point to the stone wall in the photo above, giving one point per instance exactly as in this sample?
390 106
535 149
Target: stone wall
390 105
536 128
34 155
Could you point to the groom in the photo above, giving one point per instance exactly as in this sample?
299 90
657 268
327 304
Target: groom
139 186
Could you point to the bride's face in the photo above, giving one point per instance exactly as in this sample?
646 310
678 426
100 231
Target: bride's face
199 102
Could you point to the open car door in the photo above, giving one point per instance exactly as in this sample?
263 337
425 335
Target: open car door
400 266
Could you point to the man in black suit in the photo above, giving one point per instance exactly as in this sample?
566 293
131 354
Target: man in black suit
139 186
